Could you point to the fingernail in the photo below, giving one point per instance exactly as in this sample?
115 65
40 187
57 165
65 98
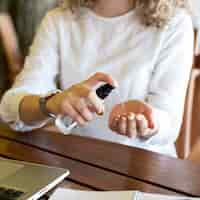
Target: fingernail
139 117
117 118
83 123
116 84
124 118
131 116
101 113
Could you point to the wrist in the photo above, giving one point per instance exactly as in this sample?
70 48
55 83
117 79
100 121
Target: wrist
49 104
52 105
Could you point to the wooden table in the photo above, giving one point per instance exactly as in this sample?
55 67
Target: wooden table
99 165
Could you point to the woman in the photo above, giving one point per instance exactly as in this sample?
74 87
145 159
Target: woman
144 45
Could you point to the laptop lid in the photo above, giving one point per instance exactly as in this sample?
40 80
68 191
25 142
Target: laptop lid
32 180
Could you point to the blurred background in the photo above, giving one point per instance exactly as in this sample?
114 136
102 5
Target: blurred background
19 20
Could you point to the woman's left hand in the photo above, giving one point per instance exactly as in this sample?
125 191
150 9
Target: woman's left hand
132 119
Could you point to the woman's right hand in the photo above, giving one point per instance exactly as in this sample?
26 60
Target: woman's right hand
80 101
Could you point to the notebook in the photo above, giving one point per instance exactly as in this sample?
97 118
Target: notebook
65 194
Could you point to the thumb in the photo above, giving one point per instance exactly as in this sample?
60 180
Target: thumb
148 113
100 77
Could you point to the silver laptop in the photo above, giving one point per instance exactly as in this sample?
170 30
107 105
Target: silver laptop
26 181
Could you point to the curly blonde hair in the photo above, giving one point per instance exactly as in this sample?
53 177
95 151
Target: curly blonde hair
152 12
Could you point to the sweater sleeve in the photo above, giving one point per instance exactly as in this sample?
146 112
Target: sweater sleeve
38 76
170 79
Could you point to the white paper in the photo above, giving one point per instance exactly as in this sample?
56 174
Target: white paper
68 194
148 196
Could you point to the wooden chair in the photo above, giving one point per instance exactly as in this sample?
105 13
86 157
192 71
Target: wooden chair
195 153
184 143
10 44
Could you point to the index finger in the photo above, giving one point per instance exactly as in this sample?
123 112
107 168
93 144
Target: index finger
100 77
